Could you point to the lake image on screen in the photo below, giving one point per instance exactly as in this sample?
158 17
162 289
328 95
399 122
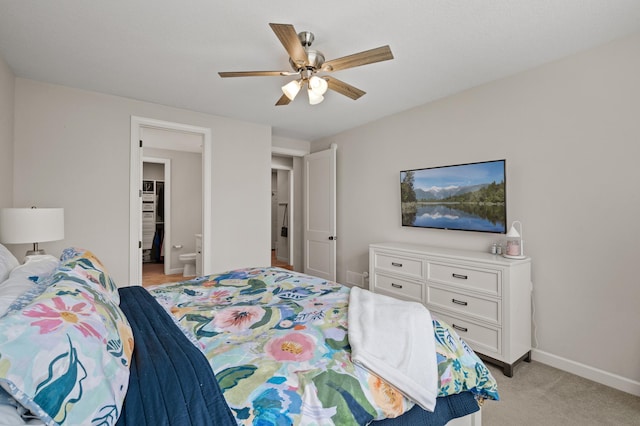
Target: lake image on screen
467 197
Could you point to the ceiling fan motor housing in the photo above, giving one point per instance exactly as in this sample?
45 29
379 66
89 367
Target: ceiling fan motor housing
306 38
315 59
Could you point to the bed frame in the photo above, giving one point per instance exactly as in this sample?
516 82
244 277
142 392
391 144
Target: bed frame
474 419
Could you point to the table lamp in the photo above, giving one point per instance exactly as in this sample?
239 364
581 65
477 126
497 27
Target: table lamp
32 226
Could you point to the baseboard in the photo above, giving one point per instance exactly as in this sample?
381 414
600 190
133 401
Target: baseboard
600 376
175 271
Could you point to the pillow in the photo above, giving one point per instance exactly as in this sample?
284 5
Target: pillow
12 413
24 277
79 344
7 262
83 266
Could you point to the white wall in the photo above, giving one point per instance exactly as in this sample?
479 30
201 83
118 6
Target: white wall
7 87
72 150
570 134
152 171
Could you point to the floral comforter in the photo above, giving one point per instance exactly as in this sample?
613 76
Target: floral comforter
278 344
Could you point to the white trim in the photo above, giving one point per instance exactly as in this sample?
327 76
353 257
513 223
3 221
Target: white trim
289 151
135 202
135 206
291 223
600 376
167 206
280 167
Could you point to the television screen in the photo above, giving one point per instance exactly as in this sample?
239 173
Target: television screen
466 197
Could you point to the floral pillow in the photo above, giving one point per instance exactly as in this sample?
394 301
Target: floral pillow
84 267
23 278
79 344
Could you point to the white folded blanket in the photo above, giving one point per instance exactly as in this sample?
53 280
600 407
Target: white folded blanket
394 340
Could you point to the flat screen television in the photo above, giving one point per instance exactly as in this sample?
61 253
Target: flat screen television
465 197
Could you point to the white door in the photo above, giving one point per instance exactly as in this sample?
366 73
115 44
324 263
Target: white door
320 214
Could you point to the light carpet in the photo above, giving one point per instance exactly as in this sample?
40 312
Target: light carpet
541 395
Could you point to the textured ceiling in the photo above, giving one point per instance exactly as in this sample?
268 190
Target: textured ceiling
169 52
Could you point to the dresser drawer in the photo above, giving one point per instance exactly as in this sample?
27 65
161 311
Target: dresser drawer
408 266
477 307
397 287
484 339
476 279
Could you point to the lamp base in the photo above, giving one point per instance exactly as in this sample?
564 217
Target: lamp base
39 252
508 256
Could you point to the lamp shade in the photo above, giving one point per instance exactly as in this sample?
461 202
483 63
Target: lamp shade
314 98
23 225
318 85
513 232
291 89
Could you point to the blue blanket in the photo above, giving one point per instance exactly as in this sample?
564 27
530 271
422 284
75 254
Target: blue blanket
171 381
447 408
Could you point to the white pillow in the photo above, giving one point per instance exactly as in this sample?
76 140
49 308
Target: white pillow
12 413
23 277
7 262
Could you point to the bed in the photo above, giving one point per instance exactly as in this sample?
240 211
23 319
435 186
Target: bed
260 346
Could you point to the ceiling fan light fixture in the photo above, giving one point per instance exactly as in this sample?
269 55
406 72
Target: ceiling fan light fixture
306 62
291 89
318 85
314 98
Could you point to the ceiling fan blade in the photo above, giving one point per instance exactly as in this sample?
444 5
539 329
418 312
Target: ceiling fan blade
255 73
284 100
344 88
378 54
289 39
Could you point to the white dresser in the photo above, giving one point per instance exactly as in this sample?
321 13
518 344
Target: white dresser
486 298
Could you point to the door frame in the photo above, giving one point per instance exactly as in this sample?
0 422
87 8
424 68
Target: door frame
135 196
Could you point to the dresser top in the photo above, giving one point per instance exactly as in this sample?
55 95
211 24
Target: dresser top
469 255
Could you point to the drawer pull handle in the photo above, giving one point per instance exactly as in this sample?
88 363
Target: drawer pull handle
460 276
396 285
459 302
396 264
457 327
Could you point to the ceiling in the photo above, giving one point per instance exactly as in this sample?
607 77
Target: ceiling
170 52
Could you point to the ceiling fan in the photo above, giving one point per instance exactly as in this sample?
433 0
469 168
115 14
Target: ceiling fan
307 63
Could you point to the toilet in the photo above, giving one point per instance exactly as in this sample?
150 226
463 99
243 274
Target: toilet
192 261
189 261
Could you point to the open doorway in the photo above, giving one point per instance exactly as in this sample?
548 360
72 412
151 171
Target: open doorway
156 220
188 194
282 213
172 221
